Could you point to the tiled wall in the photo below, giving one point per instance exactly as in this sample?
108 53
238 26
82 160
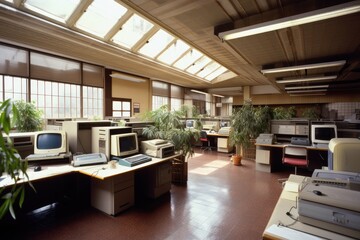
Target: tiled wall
341 110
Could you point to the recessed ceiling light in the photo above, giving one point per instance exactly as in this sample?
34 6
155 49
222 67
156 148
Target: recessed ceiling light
307 87
309 79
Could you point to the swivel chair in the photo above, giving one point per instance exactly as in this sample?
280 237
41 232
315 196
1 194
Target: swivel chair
295 156
205 141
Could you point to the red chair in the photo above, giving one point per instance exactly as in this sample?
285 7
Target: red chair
205 141
295 156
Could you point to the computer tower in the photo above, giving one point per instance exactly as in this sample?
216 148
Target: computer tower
79 134
101 138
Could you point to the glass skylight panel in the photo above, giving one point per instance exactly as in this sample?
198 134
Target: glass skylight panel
198 65
208 69
173 52
132 31
100 17
55 9
188 59
156 44
216 73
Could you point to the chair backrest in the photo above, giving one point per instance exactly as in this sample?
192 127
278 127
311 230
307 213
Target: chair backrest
203 135
295 151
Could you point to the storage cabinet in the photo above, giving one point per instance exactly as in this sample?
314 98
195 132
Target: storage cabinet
113 195
223 145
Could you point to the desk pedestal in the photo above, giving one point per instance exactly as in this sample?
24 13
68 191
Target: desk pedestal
113 195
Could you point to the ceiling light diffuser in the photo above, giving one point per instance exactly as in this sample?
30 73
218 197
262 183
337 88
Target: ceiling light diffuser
310 79
299 19
302 67
307 87
128 77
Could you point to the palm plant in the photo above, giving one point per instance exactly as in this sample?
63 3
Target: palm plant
10 164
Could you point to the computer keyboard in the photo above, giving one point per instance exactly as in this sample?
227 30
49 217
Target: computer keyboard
134 160
44 156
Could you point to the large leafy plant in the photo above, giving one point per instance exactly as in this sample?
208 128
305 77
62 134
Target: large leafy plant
247 123
168 125
30 119
10 163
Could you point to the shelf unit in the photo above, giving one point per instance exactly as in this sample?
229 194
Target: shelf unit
285 129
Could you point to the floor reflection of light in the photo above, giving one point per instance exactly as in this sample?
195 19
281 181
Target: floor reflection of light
210 167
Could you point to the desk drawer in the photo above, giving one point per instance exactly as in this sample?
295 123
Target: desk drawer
123 200
262 156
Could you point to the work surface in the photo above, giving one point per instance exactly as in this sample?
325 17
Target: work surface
283 226
100 171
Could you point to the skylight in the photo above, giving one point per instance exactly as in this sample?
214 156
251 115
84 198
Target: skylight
198 65
132 31
208 69
190 57
173 52
156 44
100 17
55 9
110 19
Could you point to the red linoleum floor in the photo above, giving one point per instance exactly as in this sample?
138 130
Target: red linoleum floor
220 201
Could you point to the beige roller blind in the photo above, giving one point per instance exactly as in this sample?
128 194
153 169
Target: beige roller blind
48 67
160 89
177 92
93 75
14 61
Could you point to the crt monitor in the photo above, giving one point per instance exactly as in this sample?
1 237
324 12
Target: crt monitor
124 144
190 123
50 142
323 133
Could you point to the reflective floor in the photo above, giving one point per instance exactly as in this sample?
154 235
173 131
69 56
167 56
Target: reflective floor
220 201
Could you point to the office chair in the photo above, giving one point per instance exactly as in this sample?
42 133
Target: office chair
205 141
295 156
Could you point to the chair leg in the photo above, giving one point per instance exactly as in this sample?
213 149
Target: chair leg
295 170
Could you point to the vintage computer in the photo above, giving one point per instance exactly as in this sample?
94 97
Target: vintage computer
50 144
101 138
123 148
321 134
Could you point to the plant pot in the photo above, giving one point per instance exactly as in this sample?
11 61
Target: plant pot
236 159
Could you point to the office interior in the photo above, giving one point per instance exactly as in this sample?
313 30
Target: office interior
75 69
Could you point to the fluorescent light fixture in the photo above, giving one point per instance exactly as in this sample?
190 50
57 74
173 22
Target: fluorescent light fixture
307 94
299 19
128 77
307 87
302 67
310 79
197 91
216 95
308 91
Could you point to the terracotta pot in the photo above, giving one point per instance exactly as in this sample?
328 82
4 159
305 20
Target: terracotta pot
236 160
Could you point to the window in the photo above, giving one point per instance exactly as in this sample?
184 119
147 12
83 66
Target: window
14 88
121 108
176 104
156 44
56 100
93 102
158 101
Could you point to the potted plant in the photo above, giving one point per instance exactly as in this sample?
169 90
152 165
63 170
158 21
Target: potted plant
169 126
247 123
10 164
30 119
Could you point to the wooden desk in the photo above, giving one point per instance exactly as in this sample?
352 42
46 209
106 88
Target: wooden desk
222 142
296 229
269 157
104 180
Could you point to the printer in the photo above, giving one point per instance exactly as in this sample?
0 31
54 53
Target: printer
157 148
331 204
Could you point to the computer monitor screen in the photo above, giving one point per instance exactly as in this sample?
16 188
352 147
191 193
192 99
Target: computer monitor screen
190 123
124 144
323 133
54 142
224 124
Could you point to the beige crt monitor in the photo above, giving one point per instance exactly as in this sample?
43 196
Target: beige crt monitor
344 154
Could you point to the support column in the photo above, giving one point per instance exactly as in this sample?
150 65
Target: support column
247 92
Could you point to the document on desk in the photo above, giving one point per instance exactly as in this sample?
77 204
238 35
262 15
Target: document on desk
282 232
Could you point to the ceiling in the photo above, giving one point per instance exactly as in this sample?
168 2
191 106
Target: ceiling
199 23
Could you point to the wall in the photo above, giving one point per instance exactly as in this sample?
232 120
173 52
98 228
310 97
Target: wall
138 92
